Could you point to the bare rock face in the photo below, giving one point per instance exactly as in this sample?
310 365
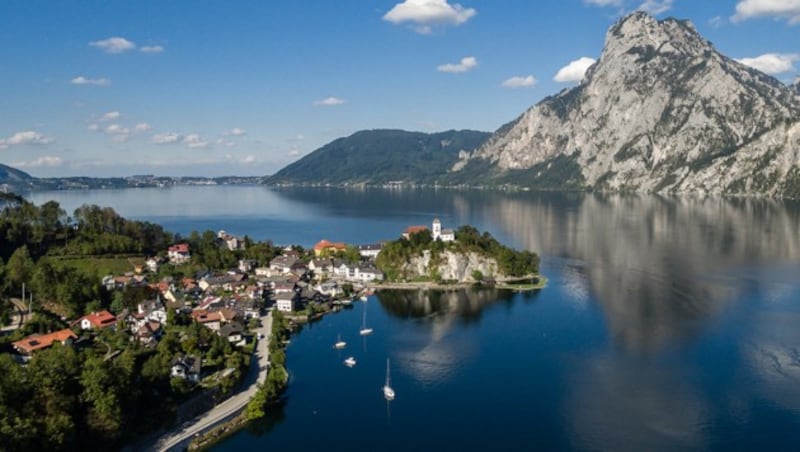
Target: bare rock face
452 266
660 111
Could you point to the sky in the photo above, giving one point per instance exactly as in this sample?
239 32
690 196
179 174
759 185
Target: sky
210 88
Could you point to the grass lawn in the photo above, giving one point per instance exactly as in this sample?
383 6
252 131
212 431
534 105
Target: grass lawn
99 266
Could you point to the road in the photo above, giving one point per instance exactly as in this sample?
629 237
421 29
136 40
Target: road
18 319
179 438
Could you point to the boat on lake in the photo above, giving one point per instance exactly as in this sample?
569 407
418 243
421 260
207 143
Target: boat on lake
364 330
350 361
340 344
388 392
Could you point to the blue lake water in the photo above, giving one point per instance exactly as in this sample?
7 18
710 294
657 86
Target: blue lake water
668 323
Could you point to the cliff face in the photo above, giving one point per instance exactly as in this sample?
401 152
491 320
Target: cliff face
660 111
451 266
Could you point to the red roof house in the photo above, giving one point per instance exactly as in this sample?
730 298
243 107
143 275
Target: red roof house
324 245
96 320
38 342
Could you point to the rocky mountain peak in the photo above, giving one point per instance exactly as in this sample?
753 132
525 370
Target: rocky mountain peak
658 111
642 31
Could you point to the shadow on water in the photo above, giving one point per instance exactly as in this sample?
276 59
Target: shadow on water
274 416
467 305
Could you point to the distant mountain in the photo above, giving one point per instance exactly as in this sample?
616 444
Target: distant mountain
12 179
377 157
660 111
15 180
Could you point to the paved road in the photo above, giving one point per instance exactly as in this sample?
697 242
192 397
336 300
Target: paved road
179 438
18 319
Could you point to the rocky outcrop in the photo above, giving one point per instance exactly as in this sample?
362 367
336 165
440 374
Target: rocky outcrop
660 111
450 265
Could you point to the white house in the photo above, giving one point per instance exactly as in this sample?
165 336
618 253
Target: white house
366 273
152 264
370 251
186 367
282 264
232 242
285 302
153 310
179 254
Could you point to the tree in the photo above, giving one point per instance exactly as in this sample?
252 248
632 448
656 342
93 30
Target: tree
100 391
20 267
351 254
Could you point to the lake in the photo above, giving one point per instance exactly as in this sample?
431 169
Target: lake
667 323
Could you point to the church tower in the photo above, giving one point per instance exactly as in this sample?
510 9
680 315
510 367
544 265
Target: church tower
437 229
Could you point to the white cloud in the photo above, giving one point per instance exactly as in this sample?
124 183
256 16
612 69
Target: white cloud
165 138
81 80
194 141
47 160
116 129
110 116
142 127
93 127
226 143
248 159
520 82
772 63
603 2
26 137
574 71
294 152
329 102
120 134
651 6
151 49
466 64
784 9
236 132
715 21
113 45
656 6
425 13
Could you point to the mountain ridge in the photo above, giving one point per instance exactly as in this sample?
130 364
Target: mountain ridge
379 157
660 111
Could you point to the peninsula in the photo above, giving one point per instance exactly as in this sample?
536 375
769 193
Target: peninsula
195 325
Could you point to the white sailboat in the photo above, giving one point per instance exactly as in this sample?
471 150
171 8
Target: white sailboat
350 361
340 344
364 330
388 392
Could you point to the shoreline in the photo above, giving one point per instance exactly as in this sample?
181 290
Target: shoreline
228 428
504 284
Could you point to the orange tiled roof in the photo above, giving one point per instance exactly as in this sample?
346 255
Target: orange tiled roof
203 316
38 342
415 229
100 319
324 245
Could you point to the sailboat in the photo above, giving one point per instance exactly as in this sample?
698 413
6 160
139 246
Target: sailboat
388 392
340 344
350 361
364 330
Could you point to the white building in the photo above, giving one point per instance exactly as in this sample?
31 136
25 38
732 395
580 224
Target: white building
284 302
445 235
370 251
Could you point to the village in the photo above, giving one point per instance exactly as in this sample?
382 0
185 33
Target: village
230 303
